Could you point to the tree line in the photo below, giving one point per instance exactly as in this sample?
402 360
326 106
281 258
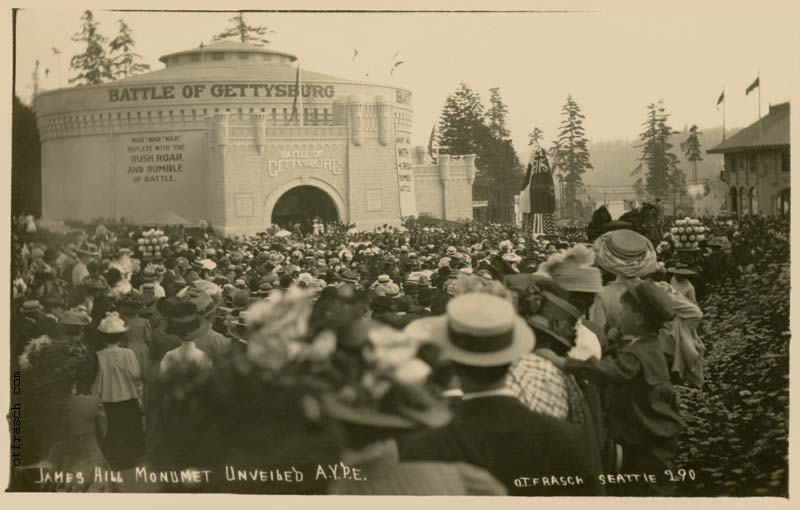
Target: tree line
102 60
466 126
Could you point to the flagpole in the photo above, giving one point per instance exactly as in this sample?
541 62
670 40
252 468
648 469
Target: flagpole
760 128
723 112
300 92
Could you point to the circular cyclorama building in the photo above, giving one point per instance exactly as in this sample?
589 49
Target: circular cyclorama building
232 134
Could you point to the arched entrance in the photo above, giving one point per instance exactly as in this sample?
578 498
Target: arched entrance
302 204
734 209
752 201
783 201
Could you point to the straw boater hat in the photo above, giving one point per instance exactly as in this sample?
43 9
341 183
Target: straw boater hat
88 249
511 258
625 253
482 330
681 270
31 306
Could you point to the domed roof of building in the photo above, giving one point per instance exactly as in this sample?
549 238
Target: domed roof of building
215 62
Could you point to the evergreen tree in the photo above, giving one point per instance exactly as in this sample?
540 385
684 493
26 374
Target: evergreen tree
692 148
461 126
536 136
463 129
572 153
124 61
497 115
663 174
93 65
239 29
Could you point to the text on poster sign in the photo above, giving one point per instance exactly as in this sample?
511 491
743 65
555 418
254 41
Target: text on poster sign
155 158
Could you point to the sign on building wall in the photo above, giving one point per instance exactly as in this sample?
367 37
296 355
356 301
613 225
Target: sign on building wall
297 161
217 90
155 159
405 181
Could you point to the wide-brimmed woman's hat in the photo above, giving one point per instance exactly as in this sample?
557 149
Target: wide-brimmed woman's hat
112 324
625 253
133 302
556 317
75 317
482 330
512 258
653 301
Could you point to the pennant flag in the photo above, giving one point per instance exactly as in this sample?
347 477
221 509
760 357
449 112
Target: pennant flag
355 54
637 170
753 86
56 50
431 141
294 103
395 66
721 99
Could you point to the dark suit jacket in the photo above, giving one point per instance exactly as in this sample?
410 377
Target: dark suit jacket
504 437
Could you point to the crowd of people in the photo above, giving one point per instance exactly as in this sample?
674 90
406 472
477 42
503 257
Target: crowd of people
420 359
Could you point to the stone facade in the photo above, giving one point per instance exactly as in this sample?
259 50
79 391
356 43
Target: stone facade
443 189
212 136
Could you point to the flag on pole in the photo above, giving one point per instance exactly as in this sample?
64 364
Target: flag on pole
753 86
721 99
294 103
431 142
637 170
56 50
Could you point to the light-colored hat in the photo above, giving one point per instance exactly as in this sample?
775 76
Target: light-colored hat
511 257
208 265
384 278
451 250
76 317
112 324
573 270
392 290
30 306
482 330
625 253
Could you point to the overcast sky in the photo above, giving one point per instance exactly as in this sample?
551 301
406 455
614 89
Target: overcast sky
613 63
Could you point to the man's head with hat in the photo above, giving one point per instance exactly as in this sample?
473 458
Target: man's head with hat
31 307
241 299
482 336
681 271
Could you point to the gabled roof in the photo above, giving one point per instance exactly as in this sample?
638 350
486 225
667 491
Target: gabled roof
775 127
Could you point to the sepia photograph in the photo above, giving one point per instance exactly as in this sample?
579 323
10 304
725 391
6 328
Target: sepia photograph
450 252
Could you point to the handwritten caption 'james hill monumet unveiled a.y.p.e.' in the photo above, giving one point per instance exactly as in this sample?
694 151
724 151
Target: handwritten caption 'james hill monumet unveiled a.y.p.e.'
155 158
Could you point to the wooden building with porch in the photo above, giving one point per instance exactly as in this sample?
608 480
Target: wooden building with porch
757 163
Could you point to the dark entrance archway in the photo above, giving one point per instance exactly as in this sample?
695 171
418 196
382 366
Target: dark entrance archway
301 205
